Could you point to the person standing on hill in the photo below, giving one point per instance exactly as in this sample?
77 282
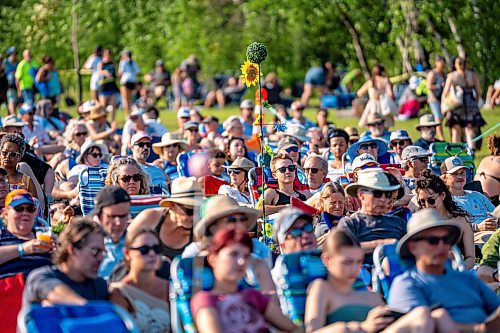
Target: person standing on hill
25 78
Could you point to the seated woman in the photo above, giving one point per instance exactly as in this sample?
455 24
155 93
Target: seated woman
333 306
141 292
20 250
488 171
168 150
215 310
12 148
332 204
338 144
283 169
238 190
433 193
236 148
126 173
372 146
73 138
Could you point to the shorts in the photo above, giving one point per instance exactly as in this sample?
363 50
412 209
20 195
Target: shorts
436 110
129 85
94 82
28 96
315 76
12 95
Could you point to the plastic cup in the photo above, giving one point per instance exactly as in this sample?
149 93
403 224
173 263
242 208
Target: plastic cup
44 234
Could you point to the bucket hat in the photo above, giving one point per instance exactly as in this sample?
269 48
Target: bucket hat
168 139
184 191
352 151
241 163
374 179
427 121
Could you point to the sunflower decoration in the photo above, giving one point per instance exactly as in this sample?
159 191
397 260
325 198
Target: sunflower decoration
250 73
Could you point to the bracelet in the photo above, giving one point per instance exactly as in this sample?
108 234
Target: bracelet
20 249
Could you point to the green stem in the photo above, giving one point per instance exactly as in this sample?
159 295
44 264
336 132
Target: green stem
262 152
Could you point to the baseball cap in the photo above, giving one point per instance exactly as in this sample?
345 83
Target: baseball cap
399 135
158 63
297 105
209 119
287 142
25 108
286 218
12 120
246 104
452 165
111 195
11 50
19 197
190 124
183 112
412 152
139 135
363 160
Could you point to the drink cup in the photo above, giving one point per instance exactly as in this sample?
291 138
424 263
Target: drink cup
44 234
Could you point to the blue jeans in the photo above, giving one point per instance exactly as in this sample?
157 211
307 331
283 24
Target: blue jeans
28 96
436 110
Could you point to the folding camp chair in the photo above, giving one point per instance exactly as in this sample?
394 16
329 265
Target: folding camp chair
11 291
211 185
188 276
90 181
297 271
138 203
442 150
95 317
382 279
182 163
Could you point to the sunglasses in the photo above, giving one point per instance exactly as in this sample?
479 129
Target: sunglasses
234 219
369 166
193 130
297 232
430 201
145 249
311 170
424 160
81 134
11 154
398 142
434 240
96 155
366 146
188 211
290 168
235 171
292 149
28 208
96 252
380 194
136 178
144 144
378 123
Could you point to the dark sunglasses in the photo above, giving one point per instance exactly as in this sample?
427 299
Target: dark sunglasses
297 232
430 201
193 129
378 123
235 171
369 166
28 208
398 142
365 146
312 170
11 154
96 155
379 194
96 252
292 149
434 240
126 179
144 144
422 159
81 134
234 219
290 168
188 211
145 249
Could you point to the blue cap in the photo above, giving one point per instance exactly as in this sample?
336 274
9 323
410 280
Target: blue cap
399 135
11 50
25 108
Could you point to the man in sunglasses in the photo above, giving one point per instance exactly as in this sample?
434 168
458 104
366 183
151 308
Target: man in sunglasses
462 297
112 212
316 169
375 123
369 225
414 159
400 139
427 127
141 148
293 230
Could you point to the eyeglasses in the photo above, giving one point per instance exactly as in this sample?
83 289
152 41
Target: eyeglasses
297 232
234 219
378 123
435 240
144 144
235 171
11 154
292 149
28 208
193 130
145 249
189 211
96 155
424 160
430 201
311 170
398 142
379 194
81 133
290 168
96 252
136 178
366 146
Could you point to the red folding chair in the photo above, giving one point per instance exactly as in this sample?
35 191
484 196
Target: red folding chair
11 291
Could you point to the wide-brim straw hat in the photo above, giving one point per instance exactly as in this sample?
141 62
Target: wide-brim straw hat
97 111
422 220
185 191
168 139
87 145
427 121
373 179
220 206
241 163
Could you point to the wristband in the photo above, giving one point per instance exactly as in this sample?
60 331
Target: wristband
20 250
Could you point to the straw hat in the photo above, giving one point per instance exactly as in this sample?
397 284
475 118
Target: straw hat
241 163
374 179
96 112
87 145
185 191
427 121
220 206
422 220
168 139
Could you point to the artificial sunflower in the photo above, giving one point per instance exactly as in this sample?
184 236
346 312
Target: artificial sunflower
250 73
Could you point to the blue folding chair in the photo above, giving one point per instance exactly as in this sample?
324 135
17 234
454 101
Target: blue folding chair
182 163
298 270
90 181
95 317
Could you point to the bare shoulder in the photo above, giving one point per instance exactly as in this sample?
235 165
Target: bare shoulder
147 218
318 287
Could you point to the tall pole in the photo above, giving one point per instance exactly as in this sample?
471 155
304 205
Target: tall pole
74 44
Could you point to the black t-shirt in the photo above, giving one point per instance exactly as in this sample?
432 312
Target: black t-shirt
371 227
43 280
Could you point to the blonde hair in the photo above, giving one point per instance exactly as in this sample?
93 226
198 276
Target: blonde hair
112 175
71 129
278 157
329 189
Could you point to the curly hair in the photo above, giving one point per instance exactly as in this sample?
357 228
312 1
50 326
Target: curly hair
14 138
71 129
494 144
112 175
429 181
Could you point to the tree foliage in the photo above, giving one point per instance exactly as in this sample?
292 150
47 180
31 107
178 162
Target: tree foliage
298 33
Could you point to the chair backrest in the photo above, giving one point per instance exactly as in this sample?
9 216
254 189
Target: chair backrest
442 150
11 291
96 317
90 181
297 271
211 185
182 164
387 264
138 203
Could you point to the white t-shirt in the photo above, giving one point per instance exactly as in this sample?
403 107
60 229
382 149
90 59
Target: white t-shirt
476 204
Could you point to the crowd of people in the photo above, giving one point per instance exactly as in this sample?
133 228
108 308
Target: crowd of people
345 193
